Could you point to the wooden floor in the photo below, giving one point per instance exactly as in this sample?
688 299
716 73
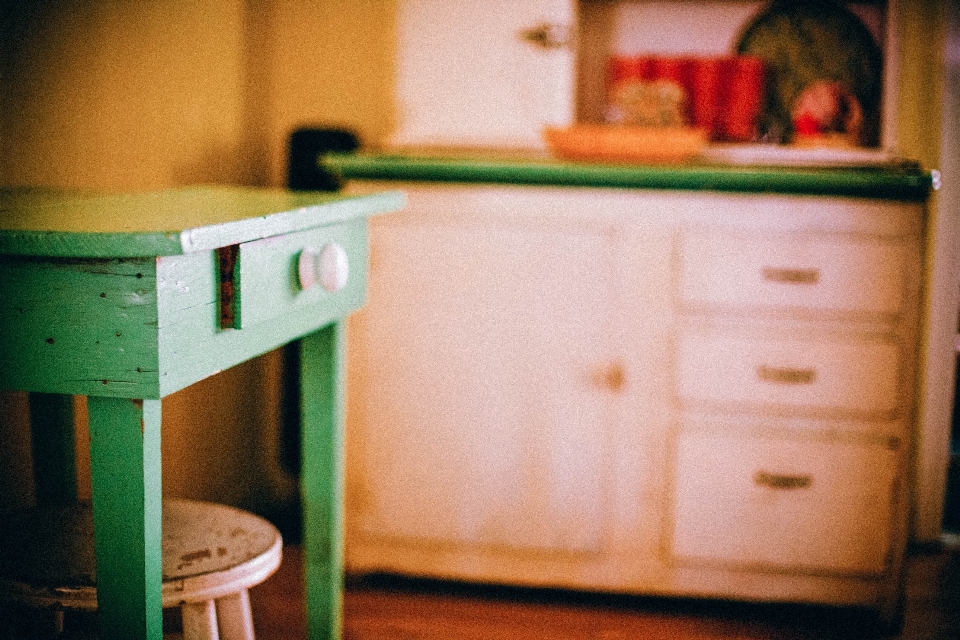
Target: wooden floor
385 608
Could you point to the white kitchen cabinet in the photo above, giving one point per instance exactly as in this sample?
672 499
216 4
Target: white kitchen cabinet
485 74
644 391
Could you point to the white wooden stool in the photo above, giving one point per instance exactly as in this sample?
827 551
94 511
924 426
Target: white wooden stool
212 555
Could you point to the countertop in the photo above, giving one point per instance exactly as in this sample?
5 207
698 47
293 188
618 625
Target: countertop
896 180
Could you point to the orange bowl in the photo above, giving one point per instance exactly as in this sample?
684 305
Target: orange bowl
625 144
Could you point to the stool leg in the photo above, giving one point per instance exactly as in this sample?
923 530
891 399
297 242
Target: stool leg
199 621
235 617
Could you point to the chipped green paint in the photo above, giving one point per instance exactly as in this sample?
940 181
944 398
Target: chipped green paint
87 327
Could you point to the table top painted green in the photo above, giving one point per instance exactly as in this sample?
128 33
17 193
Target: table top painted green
903 181
169 222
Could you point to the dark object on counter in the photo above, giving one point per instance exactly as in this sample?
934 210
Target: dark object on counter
815 41
306 146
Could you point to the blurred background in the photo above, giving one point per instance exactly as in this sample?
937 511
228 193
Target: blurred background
129 95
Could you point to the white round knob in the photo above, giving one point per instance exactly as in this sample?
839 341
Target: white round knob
334 267
330 267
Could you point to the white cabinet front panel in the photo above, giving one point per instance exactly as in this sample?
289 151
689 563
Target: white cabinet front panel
648 392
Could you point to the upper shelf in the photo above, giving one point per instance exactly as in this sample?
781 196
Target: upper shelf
897 181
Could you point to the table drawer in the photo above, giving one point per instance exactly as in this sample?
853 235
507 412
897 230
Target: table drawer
803 272
850 375
781 504
280 275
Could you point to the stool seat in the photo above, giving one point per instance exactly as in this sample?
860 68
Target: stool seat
212 554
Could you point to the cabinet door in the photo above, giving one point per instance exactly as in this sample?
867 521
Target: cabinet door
482 384
466 75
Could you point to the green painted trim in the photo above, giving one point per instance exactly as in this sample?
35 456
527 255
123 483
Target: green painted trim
900 183
125 472
322 379
54 451
174 222
88 245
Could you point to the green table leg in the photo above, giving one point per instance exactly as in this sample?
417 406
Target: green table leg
125 471
54 448
321 386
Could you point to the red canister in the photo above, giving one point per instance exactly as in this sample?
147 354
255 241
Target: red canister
706 77
619 69
744 84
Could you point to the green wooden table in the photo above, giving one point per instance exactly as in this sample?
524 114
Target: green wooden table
126 299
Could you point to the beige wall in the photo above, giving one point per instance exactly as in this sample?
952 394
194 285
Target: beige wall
332 62
124 95
145 94
142 94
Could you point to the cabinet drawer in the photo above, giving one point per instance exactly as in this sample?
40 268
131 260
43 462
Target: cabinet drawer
783 504
808 273
267 273
846 375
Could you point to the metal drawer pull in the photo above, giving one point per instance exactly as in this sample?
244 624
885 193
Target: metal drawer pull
786 375
791 276
330 267
782 481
